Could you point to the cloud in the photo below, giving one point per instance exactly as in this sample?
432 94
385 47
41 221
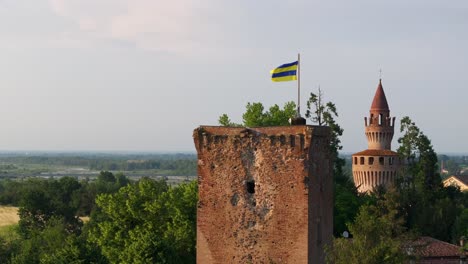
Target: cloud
170 26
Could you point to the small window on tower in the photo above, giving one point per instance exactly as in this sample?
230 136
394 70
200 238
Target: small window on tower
381 160
380 119
362 160
391 160
371 160
355 160
250 186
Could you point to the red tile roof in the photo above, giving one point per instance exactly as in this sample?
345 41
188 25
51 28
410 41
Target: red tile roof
376 152
380 100
431 247
462 178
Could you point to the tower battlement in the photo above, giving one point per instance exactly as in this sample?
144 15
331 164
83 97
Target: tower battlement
265 194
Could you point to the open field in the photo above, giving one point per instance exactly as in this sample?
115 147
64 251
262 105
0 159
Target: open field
8 215
89 165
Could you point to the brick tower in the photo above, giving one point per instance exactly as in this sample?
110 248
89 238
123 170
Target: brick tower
378 164
265 194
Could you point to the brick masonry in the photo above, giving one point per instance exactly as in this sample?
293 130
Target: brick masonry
378 165
265 194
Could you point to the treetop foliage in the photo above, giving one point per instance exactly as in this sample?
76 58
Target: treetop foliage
256 116
324 114
148 222
416 149
378 237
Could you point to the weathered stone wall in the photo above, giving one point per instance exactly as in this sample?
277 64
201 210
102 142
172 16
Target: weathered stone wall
265 194
368 175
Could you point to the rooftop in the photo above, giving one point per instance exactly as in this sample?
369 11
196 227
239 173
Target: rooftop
380 100
376 152
462 178
431 247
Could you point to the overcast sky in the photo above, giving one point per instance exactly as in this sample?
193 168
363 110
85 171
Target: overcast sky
140 75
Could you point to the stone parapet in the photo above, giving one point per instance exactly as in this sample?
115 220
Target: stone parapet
265 194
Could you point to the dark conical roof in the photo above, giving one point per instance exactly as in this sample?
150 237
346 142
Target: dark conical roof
380 101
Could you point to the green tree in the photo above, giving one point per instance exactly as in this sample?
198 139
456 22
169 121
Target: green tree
148 222
430 209
347 200
43 200
41 242
256 116
324 114
9 192
461 227
106 176
106 182
74 250
378 235
421 159
224 120
9 242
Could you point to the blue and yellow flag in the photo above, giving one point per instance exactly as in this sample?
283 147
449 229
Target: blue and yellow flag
285 72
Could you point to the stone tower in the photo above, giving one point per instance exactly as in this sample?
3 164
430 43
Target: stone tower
265 194
378 164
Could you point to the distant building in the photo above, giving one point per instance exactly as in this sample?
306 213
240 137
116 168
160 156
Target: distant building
460 181
443 170
378 164
428 250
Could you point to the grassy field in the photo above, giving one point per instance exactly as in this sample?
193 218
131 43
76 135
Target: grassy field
8 215
8 223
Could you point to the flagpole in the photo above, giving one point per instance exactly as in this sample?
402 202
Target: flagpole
298 85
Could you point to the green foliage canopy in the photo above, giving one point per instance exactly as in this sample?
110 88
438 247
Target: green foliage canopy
416 148
325 114
148 222
43 200
430 209
378 235
256 116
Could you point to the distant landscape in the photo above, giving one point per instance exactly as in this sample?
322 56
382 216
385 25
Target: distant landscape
173 167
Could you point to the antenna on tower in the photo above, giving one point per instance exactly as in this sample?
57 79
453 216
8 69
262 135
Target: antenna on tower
380 73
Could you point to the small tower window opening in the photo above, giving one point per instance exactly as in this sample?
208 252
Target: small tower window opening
362 160
380 119
391 160
381 160
250 186
355 160
371 160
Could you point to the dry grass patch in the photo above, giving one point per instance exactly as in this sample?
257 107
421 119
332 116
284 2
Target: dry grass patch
8 215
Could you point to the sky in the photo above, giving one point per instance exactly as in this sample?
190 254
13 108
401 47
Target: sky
140 75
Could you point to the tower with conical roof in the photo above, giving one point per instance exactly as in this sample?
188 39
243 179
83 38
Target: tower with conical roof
378 164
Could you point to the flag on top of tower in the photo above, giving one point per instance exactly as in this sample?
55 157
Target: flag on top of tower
285 72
